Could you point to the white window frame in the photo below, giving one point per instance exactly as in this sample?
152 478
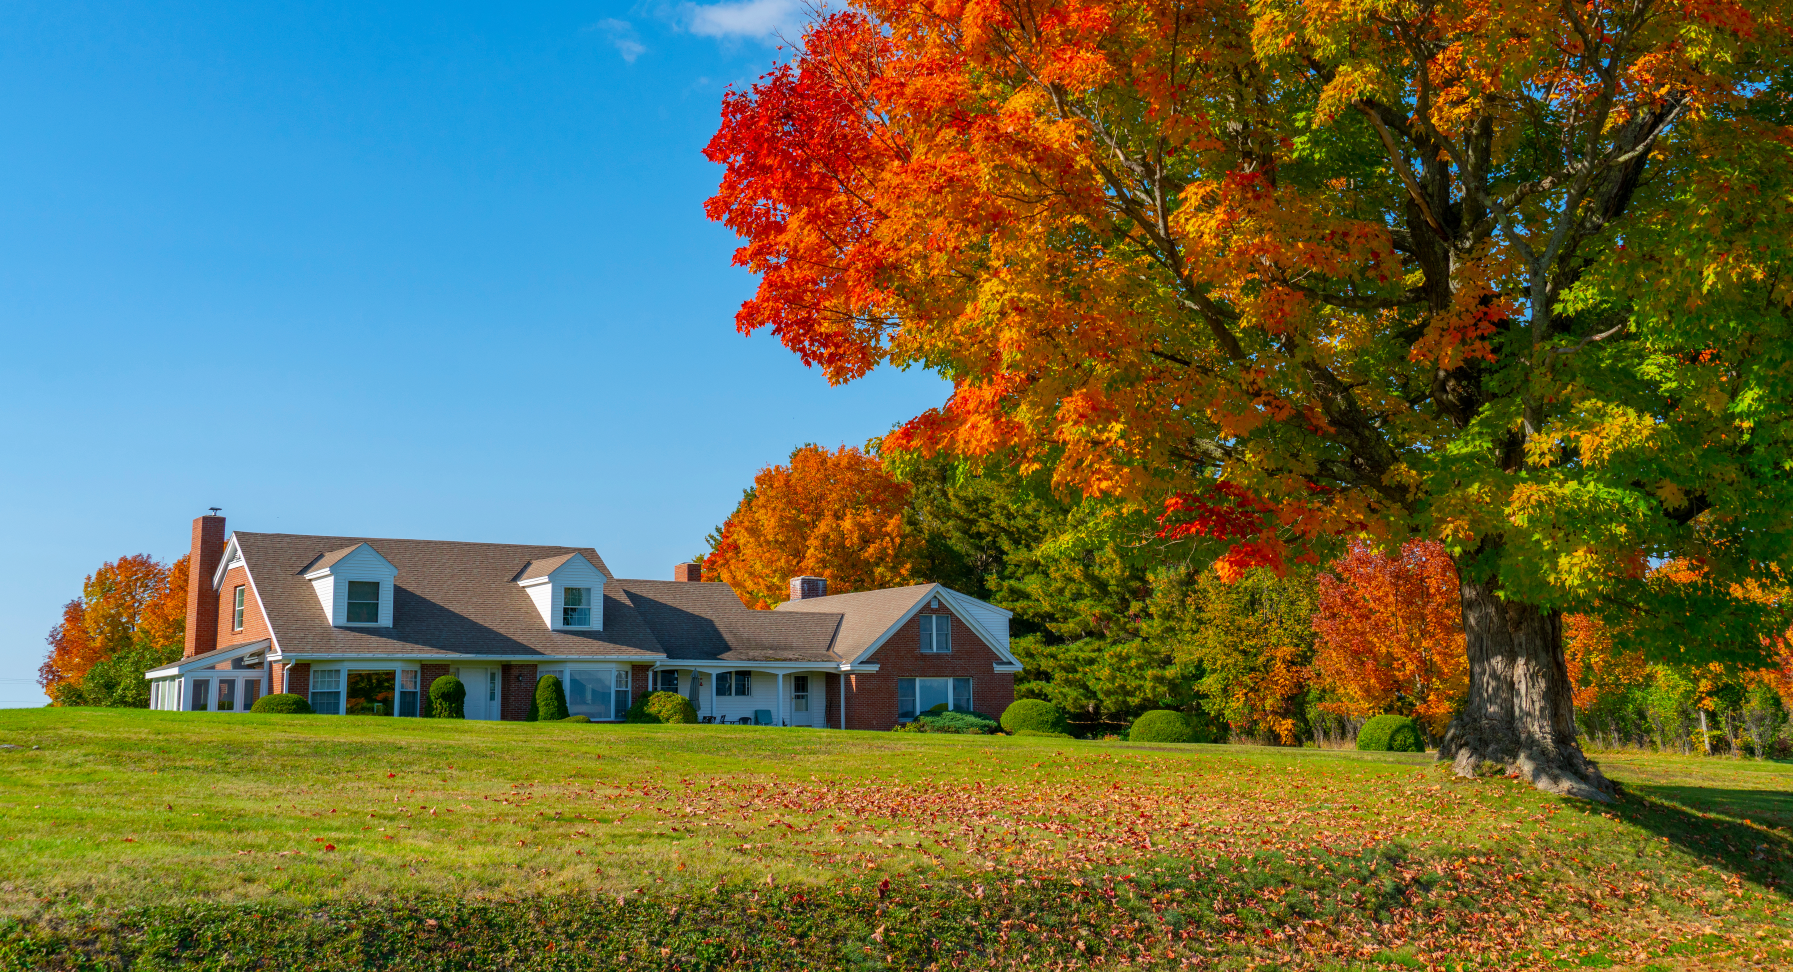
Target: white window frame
936 632
339 686
575 615
349 602
194 693
236 612
952 693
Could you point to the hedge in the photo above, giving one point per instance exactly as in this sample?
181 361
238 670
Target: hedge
668 707
282 703
1391 734
1162 726
448 698
550 702
1034 714
969 723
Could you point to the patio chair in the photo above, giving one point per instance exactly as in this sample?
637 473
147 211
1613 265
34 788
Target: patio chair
706 720
744 721
762 717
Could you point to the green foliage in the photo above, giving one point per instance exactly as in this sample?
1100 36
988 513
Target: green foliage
661 707
967 723
550 702
1036 715
1161 726
282 703
117 681
448 698
1391 734
577 718
1251 640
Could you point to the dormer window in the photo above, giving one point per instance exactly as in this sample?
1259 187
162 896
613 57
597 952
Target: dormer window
566 590
354 586
575 607
364 602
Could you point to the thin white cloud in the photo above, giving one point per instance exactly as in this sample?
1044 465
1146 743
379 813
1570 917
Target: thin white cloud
622 36
754 19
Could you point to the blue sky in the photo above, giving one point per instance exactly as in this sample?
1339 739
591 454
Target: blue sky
388 269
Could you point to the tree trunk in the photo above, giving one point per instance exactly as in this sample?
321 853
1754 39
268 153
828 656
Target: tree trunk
1521 712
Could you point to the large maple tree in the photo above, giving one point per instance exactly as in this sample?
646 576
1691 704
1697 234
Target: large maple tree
1508 276
836 515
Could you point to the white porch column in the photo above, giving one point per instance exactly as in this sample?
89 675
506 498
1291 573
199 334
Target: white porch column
778 714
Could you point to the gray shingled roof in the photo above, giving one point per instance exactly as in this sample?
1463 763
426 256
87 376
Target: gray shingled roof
698 622
542 568
329 559
448 599
865 615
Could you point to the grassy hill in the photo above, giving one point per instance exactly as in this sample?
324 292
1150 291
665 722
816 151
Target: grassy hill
151 839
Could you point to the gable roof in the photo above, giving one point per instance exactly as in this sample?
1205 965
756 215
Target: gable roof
867 617
537 569
449 599
333 558
698 621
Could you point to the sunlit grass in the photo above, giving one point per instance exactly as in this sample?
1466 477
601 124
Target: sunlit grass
124 809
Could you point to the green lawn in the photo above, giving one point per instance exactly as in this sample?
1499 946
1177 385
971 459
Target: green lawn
127 835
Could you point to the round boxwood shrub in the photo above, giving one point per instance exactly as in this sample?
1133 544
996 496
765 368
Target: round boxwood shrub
668 707
550 702
1161 726
1391 734
1035 714
448 698
282 703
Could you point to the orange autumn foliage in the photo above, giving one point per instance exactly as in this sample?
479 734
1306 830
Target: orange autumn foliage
129 599
1391 634
837 515
1598 664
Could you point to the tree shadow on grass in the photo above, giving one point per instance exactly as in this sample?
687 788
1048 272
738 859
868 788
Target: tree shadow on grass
1748 833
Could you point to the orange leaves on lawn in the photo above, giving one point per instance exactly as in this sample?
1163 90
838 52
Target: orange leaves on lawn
127 599
837 515
1391 633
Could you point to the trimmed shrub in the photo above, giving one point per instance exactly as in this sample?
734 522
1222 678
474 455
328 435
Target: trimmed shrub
577 719
1037 732
282 703
965 723
550 702
1035 714
666 707
1391 734
1161 726
448 698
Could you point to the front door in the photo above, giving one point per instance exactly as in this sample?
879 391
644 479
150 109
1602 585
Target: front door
482 693
802 713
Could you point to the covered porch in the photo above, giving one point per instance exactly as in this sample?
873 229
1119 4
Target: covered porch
758 693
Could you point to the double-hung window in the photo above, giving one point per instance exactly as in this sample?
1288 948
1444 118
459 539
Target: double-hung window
236 613
936 634
734 683
575 607
725 684
326 691
917 696
364 602
407 693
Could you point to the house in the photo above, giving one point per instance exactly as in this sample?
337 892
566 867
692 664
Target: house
364 626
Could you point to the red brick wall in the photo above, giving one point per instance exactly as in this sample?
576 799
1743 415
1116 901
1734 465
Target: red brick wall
514 694
202 609
831 690
276 677
298 679
872 698
255 627
639 678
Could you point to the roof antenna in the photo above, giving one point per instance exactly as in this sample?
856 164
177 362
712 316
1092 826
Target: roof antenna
215 510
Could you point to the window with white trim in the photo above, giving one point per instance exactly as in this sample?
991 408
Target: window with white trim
236 613
364 602
936 634
202 695
918 696
575 607
326 691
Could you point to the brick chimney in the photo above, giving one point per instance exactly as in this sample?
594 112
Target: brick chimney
803 588
202 601
688 572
